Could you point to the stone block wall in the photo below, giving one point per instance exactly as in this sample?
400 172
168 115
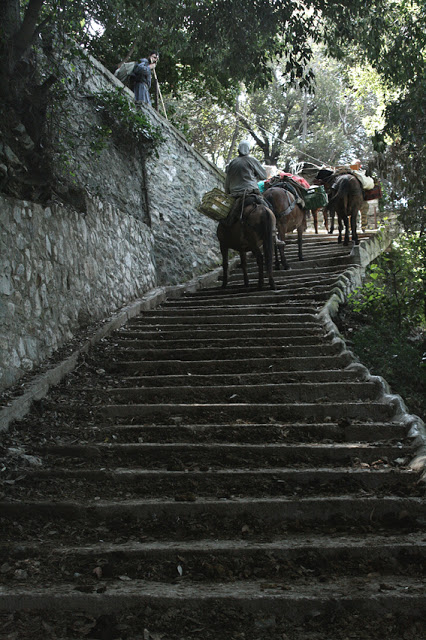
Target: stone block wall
65 267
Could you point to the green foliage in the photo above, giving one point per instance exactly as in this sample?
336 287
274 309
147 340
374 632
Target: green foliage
124 119
384 321
287 123
394 355
396 285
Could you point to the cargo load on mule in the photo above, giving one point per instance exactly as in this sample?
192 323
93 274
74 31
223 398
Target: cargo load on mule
216 204
375 193
310 197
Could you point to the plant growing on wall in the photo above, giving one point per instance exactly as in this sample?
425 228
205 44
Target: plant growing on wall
124 120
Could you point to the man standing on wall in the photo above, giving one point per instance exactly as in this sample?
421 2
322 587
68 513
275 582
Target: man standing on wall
142 76
242 175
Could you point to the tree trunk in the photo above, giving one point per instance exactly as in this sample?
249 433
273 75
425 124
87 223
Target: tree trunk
23 39
236 131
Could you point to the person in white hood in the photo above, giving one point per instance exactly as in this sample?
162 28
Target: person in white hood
242 175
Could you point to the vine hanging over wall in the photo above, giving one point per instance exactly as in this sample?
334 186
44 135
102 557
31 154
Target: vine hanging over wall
125 121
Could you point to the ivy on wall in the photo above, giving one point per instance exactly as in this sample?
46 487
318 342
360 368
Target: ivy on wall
124 121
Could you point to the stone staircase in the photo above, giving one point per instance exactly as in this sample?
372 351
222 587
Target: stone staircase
218 468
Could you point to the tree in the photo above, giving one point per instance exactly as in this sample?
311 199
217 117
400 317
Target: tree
289 124
394 42
210 45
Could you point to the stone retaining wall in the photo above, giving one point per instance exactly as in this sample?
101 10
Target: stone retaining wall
65 267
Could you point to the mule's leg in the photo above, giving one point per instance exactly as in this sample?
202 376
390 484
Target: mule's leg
346 222
277 259
299 241
224 252
331 212
259 260
281 247
269 258
340 225
325 216
243 258
354 216
315 219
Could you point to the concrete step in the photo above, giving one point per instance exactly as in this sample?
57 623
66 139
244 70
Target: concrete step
193 340
133 366
293 557
322 392
209 517
221 353
251 314
179 332
197 380
134 483
179 456
77 431
280 295
233 410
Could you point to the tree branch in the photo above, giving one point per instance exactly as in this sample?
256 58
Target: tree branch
23 38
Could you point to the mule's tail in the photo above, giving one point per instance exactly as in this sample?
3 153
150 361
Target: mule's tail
342 190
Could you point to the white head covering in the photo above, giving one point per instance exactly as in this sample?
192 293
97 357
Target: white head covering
244 148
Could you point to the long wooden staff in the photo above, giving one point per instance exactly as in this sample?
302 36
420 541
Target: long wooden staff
159 92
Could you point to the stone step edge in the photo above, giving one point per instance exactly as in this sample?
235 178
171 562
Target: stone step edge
262 596
95 450
323 473
274 509
292 542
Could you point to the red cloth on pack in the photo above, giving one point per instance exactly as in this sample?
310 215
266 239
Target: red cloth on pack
298 179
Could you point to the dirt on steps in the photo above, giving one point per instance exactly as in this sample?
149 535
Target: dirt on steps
216 469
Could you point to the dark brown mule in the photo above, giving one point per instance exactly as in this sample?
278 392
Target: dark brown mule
290 216
254 230
345 198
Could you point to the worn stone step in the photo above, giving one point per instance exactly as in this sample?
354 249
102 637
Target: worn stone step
231 411
292 558
287 392
220 455
235 326
74 430
133 483
258 607
252 313
196 380
285 278
208 518
310 617
290 284
221 353
280 295
132 366
179 332
194 341
342 261
240 432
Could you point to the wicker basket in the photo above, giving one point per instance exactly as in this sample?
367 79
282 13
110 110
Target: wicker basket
315 197
216 204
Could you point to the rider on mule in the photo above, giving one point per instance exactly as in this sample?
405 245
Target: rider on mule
242 175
